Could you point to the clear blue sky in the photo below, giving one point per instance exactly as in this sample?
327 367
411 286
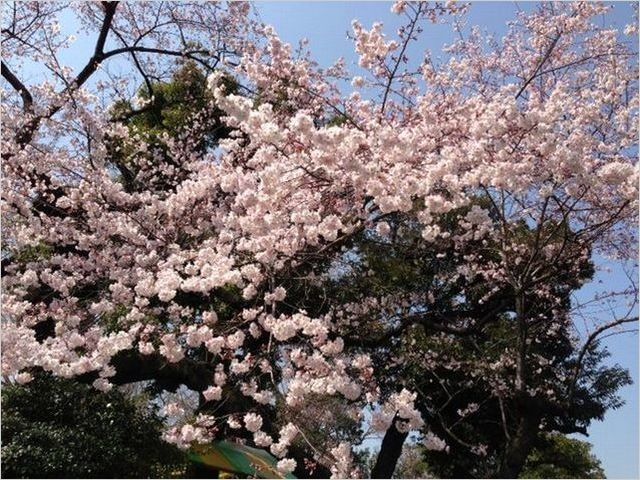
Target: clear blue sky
325 24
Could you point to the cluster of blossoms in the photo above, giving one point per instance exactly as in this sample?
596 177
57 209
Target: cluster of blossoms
200 431
141 268
371 46
400 407
433 442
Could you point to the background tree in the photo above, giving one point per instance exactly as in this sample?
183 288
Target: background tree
465 373
556 456
559 456
56 428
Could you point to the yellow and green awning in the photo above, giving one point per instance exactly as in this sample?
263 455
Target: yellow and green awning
236 459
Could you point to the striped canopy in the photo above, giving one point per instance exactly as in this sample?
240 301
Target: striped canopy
236 459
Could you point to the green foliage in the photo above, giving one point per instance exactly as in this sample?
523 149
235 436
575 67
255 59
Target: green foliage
555 456
171 106
336 121
595 392
34 253
111 320
61 428
173 102
559 456
412 463
179 109
365 459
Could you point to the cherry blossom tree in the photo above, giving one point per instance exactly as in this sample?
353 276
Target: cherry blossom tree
199 259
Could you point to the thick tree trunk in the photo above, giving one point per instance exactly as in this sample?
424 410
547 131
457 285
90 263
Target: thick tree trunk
520 444
390 451
519 447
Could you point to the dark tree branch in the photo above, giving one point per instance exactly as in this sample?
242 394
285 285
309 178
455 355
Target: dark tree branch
109 11
25 134
542 61
161 51
390 452
588 344
98 53
436 321
131 366
405 44
520 445
27 99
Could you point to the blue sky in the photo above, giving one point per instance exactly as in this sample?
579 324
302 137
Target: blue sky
325 25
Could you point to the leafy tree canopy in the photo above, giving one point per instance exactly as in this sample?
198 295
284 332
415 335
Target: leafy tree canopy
57 428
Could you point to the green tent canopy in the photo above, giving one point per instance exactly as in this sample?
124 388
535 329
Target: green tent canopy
236 459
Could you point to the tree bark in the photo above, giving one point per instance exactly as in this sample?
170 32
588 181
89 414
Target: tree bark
520 444
519 447
390 451
131 366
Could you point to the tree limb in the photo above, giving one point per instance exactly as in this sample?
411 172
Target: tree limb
27 99
585 348
131 366
390 452
542 61
26 133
